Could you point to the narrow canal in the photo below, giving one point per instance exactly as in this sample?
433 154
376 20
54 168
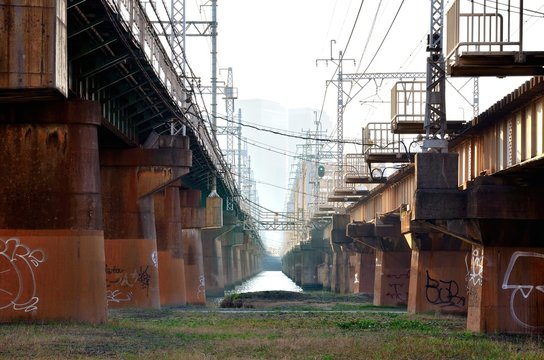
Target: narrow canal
266 281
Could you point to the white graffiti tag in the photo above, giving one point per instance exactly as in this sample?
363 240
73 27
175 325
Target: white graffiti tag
201 287
17 278
515 280
155 259
118 296
475 270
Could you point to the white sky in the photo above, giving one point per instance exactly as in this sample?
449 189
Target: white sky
272 47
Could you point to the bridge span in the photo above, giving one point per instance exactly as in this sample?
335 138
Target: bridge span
114 194
456 232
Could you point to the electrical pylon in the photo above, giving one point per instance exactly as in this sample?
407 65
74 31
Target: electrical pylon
435 108
339 105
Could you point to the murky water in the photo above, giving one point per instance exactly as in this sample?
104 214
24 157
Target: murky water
266 281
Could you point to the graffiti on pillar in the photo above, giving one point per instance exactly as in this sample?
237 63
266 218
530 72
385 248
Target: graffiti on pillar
356 281
516 278
443 293
201 287
143 278
397 290
475 275
124 282
17 278
118 296
155 259
475 270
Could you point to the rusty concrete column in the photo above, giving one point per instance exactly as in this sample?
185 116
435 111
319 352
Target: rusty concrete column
354 271
170 246
130 178
392 278
214 267
310 258
231 261
244 256
297 265
193 219
438 274
237 265
228 266
325 269
505 291
340 280
367 273
51 228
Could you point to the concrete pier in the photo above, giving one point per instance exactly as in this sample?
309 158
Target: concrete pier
192 220
169 246
130 178
51 228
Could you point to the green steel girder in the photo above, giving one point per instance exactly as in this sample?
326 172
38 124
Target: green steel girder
94 48
103 67
86 28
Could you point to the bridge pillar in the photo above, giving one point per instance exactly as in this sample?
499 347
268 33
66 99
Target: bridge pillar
214 259
231 257
51 232
193 219
363 263
288 265
228 265
438 266
170 247
312 257
392 257
238 272
130 178
438 274
325 269
506 272
297 265
244 259
340 280
392 278
504 288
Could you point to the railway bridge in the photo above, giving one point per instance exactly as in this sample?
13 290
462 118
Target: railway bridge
114 193
455 228
457 232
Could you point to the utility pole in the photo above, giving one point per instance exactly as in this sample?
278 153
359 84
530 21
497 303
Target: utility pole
435 108
339 105
179 26
176 28
214 68
230 95
476 97
239 162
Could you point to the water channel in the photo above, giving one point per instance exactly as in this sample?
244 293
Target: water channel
266 281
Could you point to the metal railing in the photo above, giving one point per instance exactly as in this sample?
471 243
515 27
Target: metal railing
378 139
408 102
483 27
135 21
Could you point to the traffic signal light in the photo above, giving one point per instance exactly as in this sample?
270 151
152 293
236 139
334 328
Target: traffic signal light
321 171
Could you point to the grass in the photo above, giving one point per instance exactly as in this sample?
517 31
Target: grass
185 333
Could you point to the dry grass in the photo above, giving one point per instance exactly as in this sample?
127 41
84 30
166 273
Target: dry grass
195 334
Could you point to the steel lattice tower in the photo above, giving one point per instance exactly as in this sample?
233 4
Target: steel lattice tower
435 109
230 95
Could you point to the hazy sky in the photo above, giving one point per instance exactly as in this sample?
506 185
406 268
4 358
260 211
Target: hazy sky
273 46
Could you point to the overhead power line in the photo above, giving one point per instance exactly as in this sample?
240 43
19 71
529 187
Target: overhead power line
295 136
